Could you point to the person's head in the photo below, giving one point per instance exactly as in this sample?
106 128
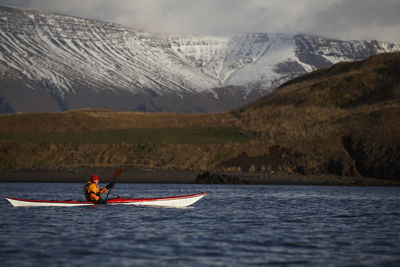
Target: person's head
94 178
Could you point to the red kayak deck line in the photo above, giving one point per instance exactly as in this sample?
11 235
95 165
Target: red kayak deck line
174 201
118 200
48 201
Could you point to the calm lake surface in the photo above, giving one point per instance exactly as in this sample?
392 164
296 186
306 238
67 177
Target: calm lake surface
231 226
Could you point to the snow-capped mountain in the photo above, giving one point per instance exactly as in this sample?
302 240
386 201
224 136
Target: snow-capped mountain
265 60
53 62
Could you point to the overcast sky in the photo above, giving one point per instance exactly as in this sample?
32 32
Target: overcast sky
343 19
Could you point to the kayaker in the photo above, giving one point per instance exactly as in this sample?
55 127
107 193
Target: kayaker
93 192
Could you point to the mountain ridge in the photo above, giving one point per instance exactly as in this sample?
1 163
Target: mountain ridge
62 62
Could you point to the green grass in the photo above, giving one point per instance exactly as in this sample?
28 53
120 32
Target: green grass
138 136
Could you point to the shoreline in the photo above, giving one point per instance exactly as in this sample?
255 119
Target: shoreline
136 175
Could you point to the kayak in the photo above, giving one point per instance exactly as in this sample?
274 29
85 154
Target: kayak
175 201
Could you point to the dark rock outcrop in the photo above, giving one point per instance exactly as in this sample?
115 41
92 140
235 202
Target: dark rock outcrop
277 158
374 160
215 178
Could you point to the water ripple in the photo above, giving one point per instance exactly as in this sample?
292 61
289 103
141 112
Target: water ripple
232 225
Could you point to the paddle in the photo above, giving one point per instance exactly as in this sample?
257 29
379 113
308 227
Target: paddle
116 174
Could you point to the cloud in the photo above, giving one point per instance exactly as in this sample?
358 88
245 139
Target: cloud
345 19
361 19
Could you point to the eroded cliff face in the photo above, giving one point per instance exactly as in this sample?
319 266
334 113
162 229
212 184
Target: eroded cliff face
60 62
374 159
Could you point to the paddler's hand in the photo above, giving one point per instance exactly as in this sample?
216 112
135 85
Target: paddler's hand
110 185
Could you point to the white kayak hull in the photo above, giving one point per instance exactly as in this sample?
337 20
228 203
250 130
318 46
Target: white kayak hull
175 201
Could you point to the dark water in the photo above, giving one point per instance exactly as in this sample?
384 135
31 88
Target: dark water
232 226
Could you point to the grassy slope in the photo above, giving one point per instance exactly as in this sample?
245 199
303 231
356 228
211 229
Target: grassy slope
105 138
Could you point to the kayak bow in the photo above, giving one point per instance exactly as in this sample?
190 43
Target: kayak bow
176 201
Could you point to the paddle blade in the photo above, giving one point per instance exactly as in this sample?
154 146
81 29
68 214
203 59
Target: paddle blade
117 173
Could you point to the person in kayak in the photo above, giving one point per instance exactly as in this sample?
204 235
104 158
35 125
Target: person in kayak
93 192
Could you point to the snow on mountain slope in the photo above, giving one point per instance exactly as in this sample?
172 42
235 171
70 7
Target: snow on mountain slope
267 60
86 63
222 58
55 49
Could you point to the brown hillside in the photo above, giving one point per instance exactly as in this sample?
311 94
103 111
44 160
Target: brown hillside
342 120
